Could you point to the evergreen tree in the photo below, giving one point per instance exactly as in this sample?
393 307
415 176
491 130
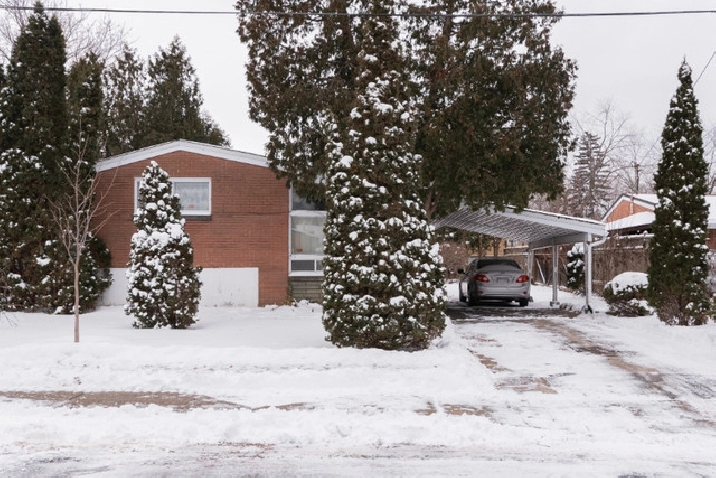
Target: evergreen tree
34 142
86 109
575 268
381 268
34 105
589 190
492 93
678 268
163 285
173 105
73 209
21 229
494 96
124 97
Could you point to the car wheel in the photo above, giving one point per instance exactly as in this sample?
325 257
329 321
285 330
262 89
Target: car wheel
471 299
524 302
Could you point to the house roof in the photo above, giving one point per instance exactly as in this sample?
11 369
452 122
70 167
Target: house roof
538 228
181 145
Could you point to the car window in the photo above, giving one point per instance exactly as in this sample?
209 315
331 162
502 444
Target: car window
498 262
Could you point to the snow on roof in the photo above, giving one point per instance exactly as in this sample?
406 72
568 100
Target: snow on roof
635 220
181 145
647 198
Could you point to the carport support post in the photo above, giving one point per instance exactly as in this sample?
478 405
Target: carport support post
555 276
530 262
588 278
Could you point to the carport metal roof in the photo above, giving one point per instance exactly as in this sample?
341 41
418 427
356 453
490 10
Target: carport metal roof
537 228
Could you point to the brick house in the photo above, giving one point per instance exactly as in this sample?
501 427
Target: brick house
628 222
237 214
633 214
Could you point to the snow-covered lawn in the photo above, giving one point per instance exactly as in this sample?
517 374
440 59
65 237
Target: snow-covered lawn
258 391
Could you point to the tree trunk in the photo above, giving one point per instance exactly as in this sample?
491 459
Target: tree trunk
76 269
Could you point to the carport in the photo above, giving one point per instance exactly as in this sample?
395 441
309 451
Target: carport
538 229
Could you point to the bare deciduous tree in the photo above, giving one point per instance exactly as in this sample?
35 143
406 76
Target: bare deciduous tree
84 32
637 164
73 214
710 157
630 156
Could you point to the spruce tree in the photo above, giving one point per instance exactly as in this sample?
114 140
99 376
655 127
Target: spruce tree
163 285
678 268
381 269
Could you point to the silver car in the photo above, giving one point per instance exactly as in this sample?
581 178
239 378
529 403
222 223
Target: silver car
494 279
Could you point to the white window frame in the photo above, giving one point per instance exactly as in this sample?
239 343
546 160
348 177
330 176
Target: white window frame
184 212
316 258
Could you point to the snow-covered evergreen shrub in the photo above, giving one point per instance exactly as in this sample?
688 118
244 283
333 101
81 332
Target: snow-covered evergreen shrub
383 277
626 294
94 278
575 268
163 284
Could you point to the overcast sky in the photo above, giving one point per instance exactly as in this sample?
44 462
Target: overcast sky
630 61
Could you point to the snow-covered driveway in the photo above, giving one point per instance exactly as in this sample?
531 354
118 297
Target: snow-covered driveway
578 389
259 392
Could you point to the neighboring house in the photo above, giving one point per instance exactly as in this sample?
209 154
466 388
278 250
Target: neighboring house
634 213
253 249
629 222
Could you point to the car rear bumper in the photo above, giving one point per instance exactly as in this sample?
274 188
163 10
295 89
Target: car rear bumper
506 293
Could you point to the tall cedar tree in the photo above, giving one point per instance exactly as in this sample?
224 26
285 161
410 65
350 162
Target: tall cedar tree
124 96
678 268
381 267
163 285
34 142
173 105
491 94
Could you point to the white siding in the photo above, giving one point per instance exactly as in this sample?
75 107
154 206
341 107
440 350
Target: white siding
220 287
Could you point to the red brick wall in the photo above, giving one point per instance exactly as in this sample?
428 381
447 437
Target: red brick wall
248 225
711 241
625 208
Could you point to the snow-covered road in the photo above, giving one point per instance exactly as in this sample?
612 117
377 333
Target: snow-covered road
259 392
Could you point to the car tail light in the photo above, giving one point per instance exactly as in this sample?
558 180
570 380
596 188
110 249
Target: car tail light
522 279
482 278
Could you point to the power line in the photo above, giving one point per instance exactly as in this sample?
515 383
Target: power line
706 67
347 14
